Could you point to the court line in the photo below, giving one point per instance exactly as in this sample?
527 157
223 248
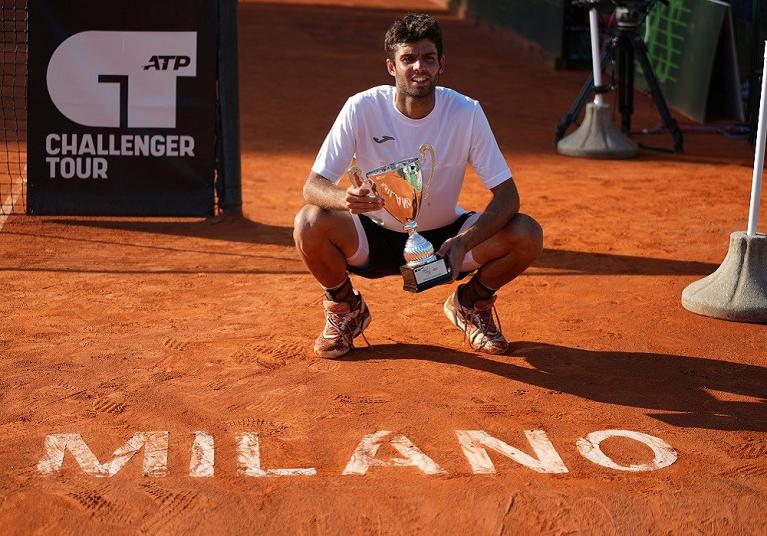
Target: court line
7 207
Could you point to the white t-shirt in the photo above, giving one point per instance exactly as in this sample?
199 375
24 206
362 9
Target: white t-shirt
372 130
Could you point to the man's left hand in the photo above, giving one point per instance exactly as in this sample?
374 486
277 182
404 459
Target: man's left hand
454 250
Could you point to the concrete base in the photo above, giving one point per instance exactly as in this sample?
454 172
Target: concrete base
597 137
738 289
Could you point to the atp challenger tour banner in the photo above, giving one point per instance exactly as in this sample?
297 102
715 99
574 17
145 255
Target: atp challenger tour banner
122 107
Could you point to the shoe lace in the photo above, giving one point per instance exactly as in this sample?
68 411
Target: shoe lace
483 319
339 323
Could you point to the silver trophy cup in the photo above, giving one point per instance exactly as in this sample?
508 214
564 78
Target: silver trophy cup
402 187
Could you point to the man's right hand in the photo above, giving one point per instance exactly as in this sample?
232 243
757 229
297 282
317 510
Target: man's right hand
361 199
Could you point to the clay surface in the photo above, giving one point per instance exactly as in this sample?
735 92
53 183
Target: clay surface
112 327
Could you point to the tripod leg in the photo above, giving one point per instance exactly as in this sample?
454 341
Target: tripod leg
657 95
625 83
580 102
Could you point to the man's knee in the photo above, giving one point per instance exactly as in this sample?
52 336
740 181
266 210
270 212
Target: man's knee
524 236
310 225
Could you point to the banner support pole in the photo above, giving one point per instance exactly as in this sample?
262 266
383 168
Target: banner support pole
229 109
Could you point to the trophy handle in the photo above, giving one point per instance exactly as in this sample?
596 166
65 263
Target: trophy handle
356 176
423 149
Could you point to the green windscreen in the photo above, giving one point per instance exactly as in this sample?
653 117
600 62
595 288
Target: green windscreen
691 48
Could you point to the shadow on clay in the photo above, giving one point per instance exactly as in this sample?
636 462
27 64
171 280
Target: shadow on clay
610 264
225 228
238 229
682 391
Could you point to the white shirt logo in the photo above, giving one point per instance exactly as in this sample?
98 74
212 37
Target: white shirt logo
121 79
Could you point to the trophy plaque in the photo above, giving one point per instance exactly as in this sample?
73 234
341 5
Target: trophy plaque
402 187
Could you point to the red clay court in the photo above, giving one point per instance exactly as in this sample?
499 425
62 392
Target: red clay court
116 326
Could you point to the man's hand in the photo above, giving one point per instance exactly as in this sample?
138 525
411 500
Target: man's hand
361 199
321 192
502 207
454 250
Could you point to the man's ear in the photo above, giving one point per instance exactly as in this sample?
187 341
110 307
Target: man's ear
442 64
390 67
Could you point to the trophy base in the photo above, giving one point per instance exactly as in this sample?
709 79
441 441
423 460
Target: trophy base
425 276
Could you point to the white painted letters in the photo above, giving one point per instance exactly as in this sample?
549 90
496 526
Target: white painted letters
203 455
473 443
589 448
364 456
155 454
249 457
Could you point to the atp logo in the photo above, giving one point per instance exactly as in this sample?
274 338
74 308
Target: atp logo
163 63
121 79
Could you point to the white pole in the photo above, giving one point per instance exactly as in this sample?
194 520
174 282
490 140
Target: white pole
756 187
647 28
595 59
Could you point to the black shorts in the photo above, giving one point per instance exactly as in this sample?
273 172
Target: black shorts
386 246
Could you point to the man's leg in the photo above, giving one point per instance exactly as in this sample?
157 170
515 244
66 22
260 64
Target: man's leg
501 258
325 239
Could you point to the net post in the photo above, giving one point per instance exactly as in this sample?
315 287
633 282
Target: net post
229 109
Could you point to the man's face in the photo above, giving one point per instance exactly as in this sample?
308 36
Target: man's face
416 68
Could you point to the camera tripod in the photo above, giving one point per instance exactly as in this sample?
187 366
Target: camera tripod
626 45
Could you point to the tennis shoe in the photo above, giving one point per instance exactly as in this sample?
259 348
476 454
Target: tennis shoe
342 325
477 324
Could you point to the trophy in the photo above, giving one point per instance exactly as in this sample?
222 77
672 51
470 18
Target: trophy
402 188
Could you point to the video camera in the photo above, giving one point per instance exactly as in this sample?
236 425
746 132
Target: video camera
630 4
628 13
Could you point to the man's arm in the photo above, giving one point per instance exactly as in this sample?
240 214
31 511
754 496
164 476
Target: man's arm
321 192
499 211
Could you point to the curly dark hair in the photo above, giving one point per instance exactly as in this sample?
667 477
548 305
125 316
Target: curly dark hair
411 28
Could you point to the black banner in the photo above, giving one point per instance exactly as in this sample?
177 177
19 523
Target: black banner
122 107
540 21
